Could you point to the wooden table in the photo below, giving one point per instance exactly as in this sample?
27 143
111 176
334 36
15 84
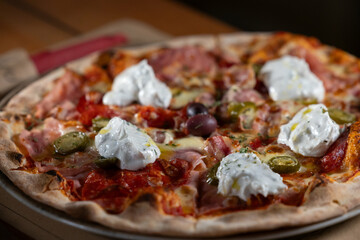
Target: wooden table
35 24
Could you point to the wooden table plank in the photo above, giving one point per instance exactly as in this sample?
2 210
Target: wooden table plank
19 28
171 17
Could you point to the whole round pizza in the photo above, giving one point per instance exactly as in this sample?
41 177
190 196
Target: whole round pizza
197 136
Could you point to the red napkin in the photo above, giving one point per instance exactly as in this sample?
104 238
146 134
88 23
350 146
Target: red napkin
47 60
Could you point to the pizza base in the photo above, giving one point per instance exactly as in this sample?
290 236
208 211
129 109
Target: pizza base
323 203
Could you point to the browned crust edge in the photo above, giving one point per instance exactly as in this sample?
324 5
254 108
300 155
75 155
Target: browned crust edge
324 202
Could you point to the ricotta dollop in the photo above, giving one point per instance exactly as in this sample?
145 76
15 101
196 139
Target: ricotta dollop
290 78
310 132
243 175
133 148
138 83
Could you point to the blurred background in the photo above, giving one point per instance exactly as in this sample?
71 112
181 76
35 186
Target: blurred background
35 24
334 22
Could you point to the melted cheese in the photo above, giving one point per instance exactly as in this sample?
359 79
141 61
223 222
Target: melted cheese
194 143
183 97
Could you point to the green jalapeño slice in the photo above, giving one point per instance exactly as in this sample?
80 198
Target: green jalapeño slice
70 143
211 176
99 123
341 117
284 164
243 108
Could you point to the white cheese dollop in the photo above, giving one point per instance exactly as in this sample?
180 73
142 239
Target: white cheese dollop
138 83
311 131
133 148
243 175
289 78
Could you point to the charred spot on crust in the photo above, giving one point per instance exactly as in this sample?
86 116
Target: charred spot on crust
147 197
104 59
51 173
59 178
14 156
17 118
54 173
319 181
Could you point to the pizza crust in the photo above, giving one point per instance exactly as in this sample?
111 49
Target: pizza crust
42 187
324 202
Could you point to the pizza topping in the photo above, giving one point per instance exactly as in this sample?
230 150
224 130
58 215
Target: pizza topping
99 122
89 110
244 175
138 83
70 173
161 135
218 147
195 109
206 98
64 111
211 176
70 143
68 87
284 164
201 125
268 119
236 94
172 63
114 189
341 117
239 75
186 143
335 155
244 113
133 147
192 156
148 116
290 78
102 162
311 131
182 97
37 141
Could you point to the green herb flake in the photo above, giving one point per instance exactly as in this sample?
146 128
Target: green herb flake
244 150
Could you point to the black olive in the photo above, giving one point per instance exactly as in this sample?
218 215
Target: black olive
195 109
201 125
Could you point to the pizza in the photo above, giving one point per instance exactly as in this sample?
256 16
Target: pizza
196 136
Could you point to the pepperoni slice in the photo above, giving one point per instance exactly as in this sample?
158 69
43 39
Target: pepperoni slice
177 169
156 117
334 157
114 189
90 109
